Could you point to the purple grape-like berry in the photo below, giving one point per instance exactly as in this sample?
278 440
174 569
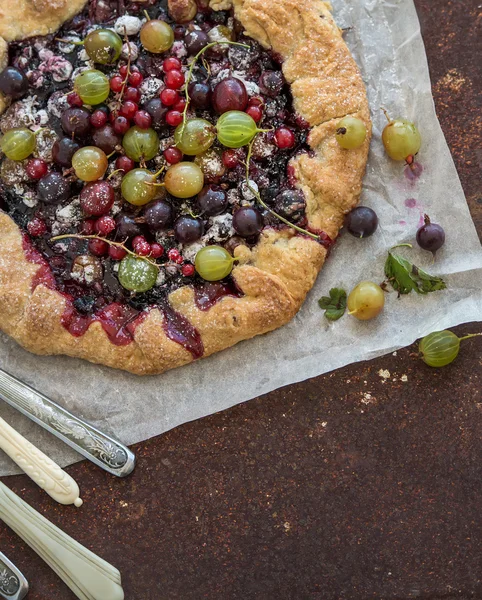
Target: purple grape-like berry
248 222
362 222
195 41
76 121
430 236
200 94
212 200
63 150
229 94
106 139
157 111
291 205
188 229
158 215
13 83
53 188
126 227
271 83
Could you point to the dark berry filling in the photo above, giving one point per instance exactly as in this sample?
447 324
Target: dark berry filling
46 198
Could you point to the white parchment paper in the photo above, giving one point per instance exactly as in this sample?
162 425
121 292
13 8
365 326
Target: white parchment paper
385 40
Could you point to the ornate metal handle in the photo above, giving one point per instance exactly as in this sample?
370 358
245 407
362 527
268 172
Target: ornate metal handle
87 575
103 450
13 585
39 467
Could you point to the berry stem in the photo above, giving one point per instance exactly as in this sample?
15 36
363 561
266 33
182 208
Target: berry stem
471 335
129 72
401 246
78 236
385 112
264 205
114 173
190 74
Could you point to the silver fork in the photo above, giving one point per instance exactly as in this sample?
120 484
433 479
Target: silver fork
13 585
103 450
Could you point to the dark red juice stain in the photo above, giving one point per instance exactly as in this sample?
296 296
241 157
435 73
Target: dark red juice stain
119 321
207 295
323 238
413 172
44 275
180 330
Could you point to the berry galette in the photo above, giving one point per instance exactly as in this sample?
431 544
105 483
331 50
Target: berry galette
172 174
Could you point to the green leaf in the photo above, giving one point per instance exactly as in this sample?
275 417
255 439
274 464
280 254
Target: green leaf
405 277
334 304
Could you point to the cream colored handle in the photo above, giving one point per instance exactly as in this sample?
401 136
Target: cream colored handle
87 575
39 467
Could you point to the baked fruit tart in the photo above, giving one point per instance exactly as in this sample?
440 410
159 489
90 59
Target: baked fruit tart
171 173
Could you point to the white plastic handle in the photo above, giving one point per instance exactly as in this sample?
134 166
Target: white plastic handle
87 575
39 467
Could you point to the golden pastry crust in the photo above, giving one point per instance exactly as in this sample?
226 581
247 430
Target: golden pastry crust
279 271
20 19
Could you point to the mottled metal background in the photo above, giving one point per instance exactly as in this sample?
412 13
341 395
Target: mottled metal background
361 484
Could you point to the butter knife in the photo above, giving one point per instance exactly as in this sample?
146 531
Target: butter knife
47 474
13 585
87 575
100 448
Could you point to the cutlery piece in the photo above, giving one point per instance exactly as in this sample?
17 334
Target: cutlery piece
87 575
13 585
39 467
103 450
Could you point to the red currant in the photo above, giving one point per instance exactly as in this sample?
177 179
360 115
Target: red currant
174 118
36 227
135 79
284 138
180 105
116 84
156 250
172 64
256 101
117 253
105 225
121 125
174 79
188 270
74 100
123 71
173 155
132 94
175 256
36 168
169 97
231 158
128 110
141 246
255 112
98 118
98 247
88 227
143 119
124 163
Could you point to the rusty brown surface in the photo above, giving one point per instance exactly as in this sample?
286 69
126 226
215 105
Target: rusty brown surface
361 484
